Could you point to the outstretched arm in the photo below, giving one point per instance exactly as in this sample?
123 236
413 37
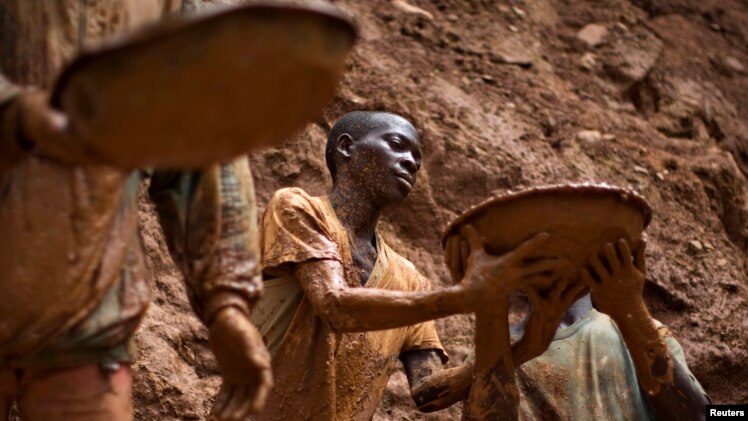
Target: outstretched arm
616 282
363 309
443 388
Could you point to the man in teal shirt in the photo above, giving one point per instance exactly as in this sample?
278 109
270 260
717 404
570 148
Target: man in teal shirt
614 364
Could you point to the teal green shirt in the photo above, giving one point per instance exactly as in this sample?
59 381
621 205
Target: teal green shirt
586 374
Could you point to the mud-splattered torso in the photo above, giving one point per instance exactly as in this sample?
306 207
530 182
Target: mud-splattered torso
321 374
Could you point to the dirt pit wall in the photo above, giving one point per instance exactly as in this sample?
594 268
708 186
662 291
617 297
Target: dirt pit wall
512 94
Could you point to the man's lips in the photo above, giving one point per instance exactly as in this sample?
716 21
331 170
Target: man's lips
406 178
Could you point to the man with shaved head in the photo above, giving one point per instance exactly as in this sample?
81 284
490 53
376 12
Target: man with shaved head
341 307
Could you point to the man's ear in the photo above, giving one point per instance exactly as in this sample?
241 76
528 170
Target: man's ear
344 144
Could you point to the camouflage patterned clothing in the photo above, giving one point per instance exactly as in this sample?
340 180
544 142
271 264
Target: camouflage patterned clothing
210 221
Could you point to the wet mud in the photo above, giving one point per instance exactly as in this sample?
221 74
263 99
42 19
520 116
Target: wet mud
508 99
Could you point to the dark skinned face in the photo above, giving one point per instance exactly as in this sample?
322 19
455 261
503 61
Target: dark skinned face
385 161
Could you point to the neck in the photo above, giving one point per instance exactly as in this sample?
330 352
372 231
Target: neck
576 311
356 211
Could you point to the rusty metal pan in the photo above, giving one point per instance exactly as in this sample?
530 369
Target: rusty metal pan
197 90
579 217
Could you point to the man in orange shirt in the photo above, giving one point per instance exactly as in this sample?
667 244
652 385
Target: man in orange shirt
341 307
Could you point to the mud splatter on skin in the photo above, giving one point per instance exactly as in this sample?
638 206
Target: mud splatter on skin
584 218
480 139
374 159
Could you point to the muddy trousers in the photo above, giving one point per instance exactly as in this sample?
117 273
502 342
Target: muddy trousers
89 393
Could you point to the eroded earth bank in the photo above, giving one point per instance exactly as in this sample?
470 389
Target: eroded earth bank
510 94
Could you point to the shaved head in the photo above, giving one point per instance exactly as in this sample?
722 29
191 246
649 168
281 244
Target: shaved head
356 124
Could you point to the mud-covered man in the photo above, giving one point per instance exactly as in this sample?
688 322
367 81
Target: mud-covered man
341 307
72 274
615 363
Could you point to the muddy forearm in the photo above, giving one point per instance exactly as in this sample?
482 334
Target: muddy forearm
361 309
447 387
444 388
28 124
364 309
654 367
494 394
681 400
665 382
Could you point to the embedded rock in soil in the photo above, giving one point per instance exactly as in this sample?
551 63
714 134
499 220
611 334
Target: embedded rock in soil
631 55
593 34
654 90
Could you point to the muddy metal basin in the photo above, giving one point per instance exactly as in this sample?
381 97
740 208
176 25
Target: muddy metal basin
580 219
211 86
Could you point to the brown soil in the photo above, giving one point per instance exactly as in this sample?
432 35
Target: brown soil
506 95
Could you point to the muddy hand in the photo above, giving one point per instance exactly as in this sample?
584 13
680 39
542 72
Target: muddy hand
545 316
245 365
47 129
491 275
615 279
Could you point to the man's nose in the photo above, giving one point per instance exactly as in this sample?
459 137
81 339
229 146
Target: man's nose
410 164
